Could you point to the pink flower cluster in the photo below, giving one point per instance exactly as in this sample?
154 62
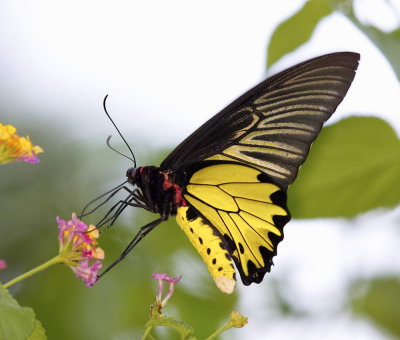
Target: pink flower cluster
78 248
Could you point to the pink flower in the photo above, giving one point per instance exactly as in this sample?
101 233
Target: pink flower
78 246
161 277
3 264
88 273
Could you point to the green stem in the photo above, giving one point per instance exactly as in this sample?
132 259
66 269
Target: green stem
219 331
54 260
146 333
154 314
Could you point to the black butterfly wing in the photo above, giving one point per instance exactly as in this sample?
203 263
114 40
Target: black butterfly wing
272 126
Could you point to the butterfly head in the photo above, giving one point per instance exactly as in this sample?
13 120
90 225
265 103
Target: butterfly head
133 174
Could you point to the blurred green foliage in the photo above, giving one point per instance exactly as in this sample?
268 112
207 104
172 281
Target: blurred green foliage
353 167
298 29
388 43
379 301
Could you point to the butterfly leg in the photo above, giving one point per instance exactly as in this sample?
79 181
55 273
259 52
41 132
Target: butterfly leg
112 192
143 231
117 209
136 194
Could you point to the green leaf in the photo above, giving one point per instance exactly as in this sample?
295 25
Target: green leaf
353 167
38 332
297 30
379 301
388 43
16 322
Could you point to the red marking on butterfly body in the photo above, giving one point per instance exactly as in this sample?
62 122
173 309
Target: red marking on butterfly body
178 198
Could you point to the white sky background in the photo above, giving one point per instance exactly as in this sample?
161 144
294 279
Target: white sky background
168 66
163 62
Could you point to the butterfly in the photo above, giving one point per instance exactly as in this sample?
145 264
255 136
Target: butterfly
226 183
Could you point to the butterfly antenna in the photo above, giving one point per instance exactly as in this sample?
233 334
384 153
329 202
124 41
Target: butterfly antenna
115 150
133 159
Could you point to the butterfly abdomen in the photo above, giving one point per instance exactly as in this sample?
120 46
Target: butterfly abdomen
209 246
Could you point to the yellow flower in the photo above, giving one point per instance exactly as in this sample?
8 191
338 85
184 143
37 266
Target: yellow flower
237 320
15 148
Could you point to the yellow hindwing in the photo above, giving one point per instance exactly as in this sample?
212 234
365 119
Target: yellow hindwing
236 200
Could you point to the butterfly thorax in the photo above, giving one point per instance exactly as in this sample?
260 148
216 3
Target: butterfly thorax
159 191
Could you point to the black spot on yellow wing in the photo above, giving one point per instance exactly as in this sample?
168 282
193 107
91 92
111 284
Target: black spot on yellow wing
191 214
